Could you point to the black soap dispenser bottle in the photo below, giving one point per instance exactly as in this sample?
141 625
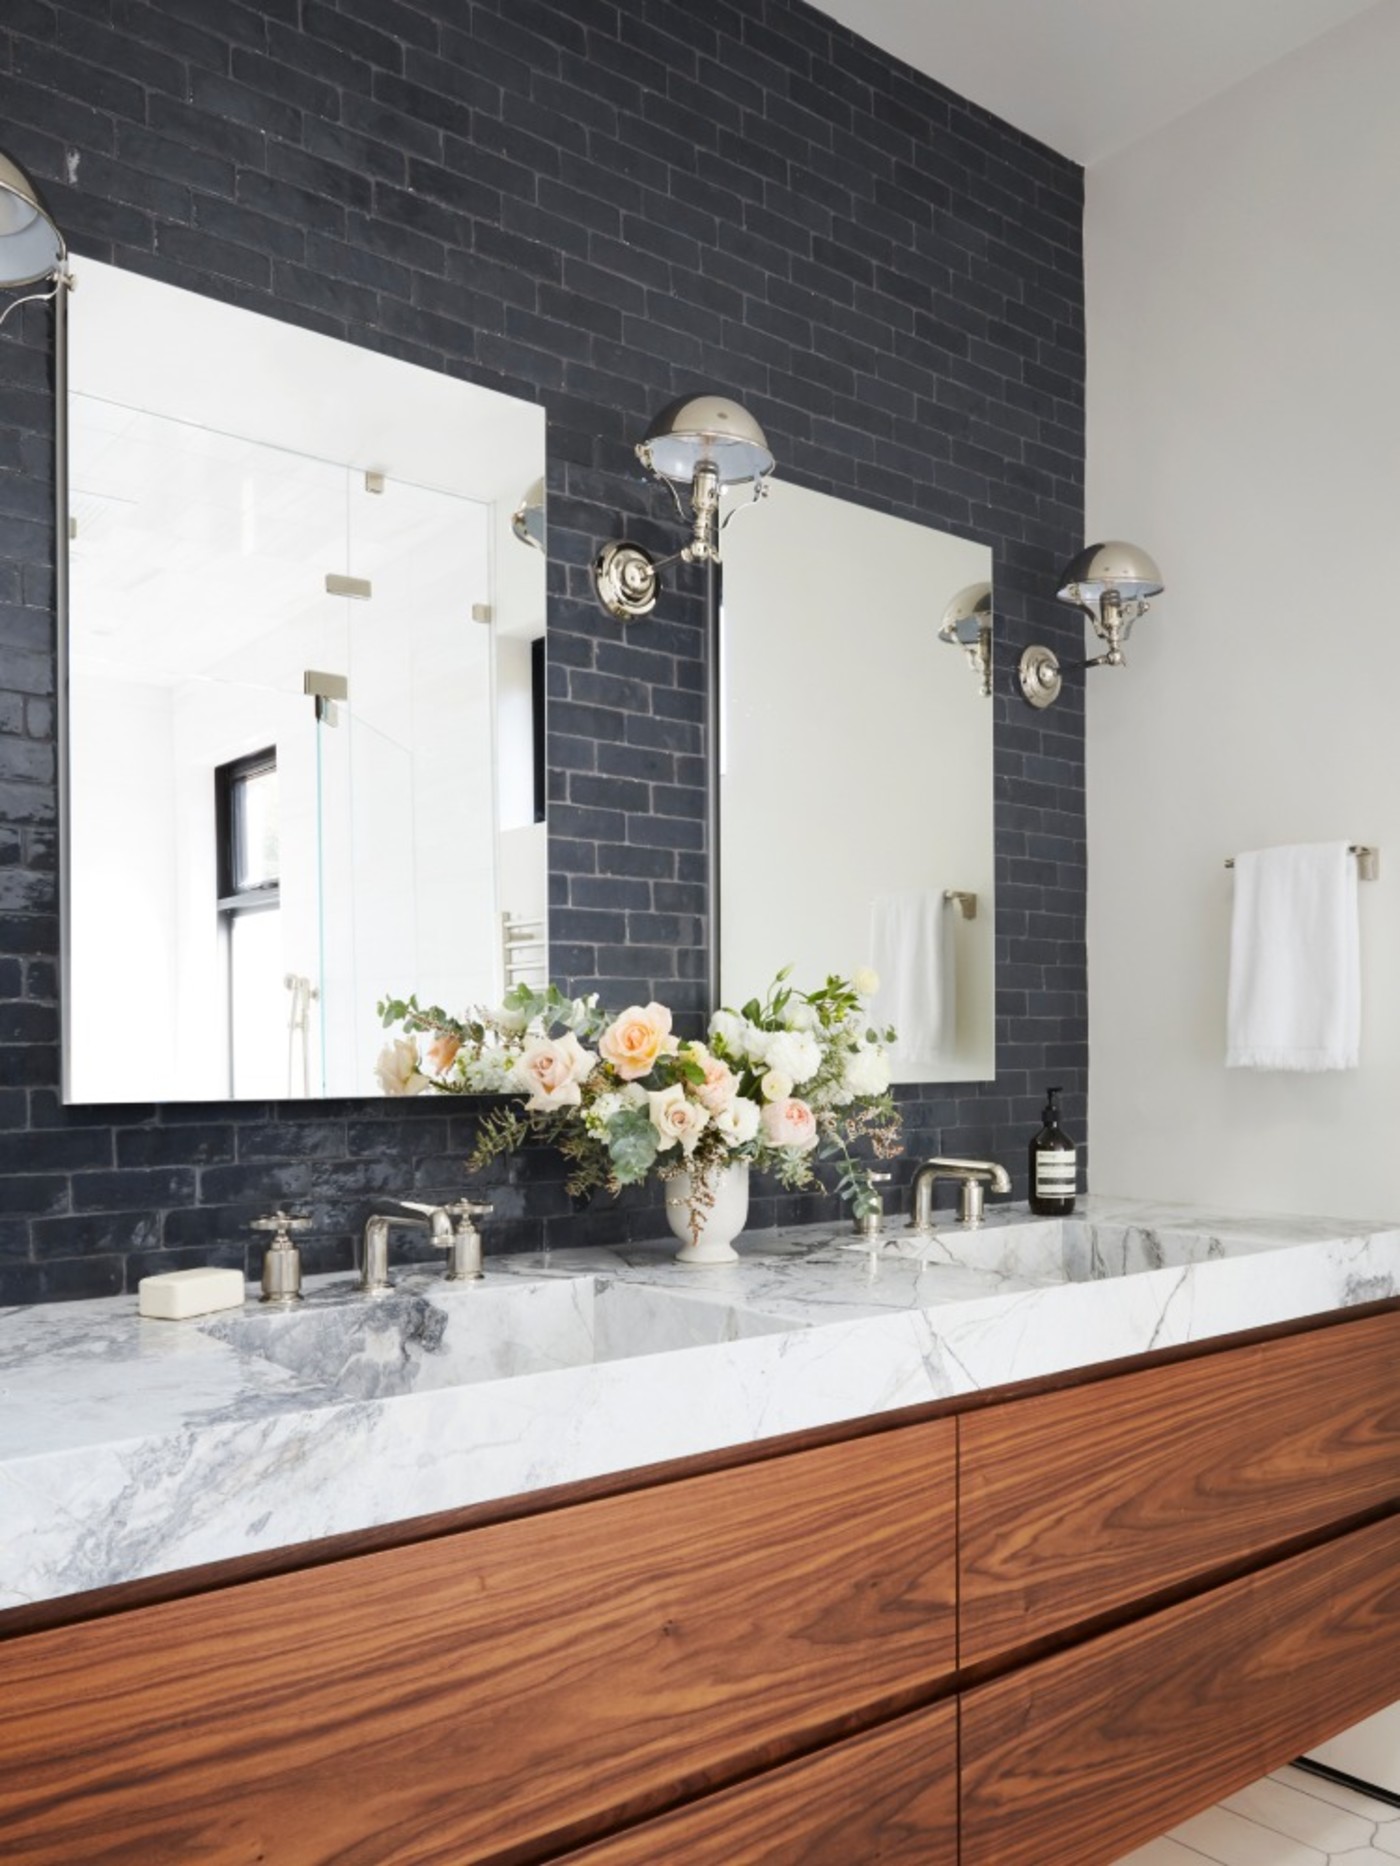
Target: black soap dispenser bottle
1054 1165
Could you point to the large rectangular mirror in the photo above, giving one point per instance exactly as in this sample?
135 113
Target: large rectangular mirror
304 661
856 772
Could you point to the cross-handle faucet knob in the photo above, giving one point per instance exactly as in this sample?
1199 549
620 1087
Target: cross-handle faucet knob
464 1262
872 1224
281 1268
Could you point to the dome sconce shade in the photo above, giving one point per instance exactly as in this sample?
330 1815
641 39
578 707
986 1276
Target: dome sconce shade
967 624
32 250
1112 584
698 445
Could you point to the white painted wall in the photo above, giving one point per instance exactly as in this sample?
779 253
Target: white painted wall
1244 425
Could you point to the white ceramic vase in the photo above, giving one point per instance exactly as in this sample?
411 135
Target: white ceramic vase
719 1225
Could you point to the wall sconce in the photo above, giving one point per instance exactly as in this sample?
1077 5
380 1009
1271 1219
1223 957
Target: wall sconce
528 520
32 250
699 444
967 623
1112 584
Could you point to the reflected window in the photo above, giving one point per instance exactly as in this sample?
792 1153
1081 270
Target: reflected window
250 921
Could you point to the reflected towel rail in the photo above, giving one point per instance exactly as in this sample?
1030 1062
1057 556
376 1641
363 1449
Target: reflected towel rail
1368 861
524 950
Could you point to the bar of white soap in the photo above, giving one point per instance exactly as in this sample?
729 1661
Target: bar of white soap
176 1294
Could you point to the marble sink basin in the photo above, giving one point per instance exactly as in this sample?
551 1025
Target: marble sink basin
425 1334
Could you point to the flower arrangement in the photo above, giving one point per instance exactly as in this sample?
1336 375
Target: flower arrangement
791 1078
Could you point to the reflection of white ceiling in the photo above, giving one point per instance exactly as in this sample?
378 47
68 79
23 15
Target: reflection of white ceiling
1091 76
193 546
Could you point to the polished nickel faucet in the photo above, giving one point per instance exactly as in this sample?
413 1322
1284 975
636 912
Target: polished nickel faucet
970 1174
461 1240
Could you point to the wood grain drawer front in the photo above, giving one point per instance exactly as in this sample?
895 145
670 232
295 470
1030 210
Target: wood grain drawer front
1084 1756
1076 1502
887 1798
505 1688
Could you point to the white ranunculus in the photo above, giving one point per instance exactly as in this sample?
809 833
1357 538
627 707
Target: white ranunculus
775 1086
727 1029
508 1020
738 1123
799 1015
757 1043
397 1068
867 1070
795 1054
866 981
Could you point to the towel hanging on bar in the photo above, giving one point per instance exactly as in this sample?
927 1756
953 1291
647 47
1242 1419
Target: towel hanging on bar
1295 960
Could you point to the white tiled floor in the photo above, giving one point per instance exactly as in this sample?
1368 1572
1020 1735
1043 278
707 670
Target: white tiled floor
1288 1819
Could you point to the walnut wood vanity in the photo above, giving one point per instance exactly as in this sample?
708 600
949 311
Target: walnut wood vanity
1036 1624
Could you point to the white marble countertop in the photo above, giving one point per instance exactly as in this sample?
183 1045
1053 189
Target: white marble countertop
130 1447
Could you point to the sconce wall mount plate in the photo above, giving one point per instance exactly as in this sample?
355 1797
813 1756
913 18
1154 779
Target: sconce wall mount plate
627 579
1039 674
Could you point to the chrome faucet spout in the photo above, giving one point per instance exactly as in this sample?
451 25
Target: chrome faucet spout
374 1264
461 1240
973 1177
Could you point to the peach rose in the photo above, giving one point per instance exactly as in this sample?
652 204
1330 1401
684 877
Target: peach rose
790 1123
634 1040
721 1084
552 1069
676 1119
442 1053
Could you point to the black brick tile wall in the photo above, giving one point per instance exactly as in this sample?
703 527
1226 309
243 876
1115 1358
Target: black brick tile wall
598 207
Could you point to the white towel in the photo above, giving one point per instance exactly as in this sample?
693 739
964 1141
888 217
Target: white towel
911 947
1295 960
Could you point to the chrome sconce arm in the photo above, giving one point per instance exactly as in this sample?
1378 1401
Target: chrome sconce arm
700 444
1112 584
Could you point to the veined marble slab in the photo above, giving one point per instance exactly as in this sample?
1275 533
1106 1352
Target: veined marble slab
132 1447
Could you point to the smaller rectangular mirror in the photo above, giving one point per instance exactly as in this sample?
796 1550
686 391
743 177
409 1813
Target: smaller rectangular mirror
856 773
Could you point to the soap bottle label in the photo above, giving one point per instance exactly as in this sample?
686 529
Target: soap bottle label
1055 1173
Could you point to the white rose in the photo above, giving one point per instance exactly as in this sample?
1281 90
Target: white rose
795 1054
866 981
550 1070
775 1086
397 1068
867 1071
738 1123
676 1119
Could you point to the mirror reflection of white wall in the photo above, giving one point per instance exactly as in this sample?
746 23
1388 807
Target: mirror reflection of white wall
856 760
200 548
